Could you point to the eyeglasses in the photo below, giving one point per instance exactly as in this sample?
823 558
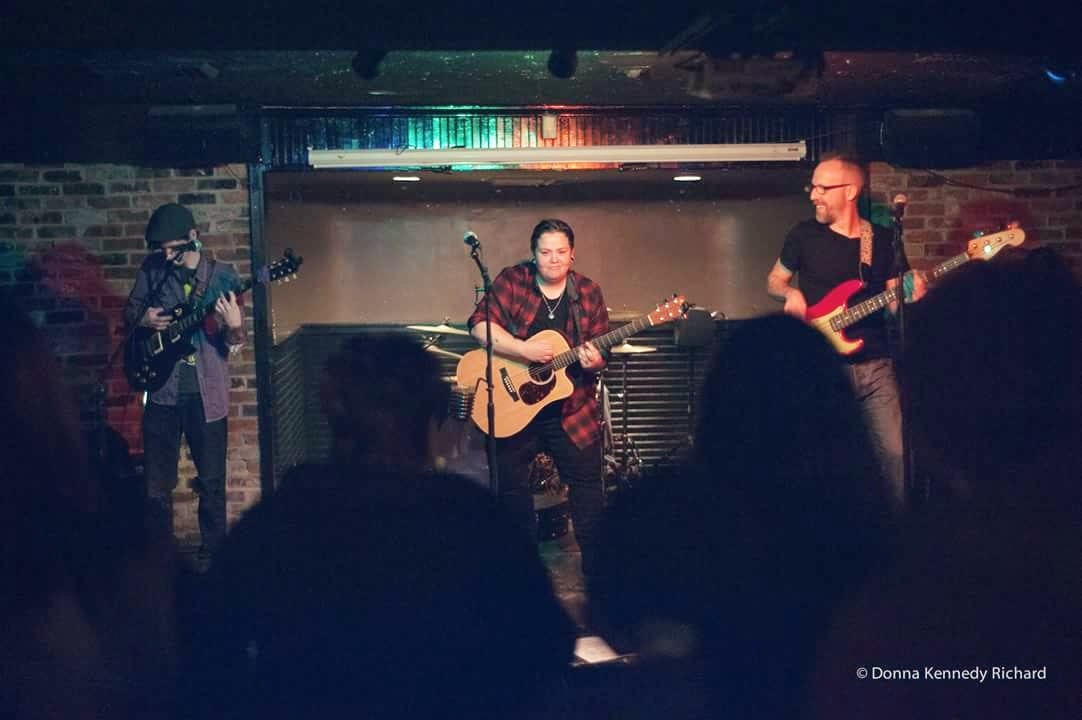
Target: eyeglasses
822 189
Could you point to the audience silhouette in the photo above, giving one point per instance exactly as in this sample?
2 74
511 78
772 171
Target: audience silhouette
374 586
734 566
86 593
989 580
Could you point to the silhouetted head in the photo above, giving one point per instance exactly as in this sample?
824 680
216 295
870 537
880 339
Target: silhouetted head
993 368
392 595
382 393
777 407
739 561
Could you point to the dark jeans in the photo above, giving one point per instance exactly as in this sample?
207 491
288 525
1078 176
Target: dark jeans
580 470
162 428
877 390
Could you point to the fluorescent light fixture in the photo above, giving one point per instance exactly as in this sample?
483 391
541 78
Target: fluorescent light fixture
687 178
406 178
608 154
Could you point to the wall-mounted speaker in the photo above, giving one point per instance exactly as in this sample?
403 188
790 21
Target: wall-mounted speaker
933 138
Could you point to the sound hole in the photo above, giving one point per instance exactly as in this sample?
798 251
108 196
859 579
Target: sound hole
532 393
540 373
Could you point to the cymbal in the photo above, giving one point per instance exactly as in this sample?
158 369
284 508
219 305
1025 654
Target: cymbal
442 329
627 348
443 353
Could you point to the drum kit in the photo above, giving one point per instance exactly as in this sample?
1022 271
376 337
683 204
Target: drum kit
622 472
434 333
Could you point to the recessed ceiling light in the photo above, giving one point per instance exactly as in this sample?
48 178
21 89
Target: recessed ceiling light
406 178
687 178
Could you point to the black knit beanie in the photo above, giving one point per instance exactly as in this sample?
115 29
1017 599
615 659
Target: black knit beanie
169 222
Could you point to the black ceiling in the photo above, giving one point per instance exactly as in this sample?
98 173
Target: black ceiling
88 66
55 79
1015 26
648 52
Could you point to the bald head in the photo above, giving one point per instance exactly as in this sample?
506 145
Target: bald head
835 186
840 170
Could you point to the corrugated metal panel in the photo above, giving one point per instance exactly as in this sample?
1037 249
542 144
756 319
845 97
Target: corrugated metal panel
662 391
288 135
289 444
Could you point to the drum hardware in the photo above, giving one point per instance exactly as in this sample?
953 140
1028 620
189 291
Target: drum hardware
434 334
441 329
629 469
626 348
550 501
432 348
461 451
460 401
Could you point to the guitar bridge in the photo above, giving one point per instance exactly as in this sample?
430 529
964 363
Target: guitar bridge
507 385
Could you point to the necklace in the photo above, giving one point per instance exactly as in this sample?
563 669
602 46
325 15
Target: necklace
552 308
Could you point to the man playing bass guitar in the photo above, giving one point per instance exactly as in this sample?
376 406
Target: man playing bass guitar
544 293
839 246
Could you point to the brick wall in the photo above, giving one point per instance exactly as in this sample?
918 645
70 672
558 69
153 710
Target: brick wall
946 207
71 240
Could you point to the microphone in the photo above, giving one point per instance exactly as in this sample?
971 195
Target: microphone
470 238
897 207
191 246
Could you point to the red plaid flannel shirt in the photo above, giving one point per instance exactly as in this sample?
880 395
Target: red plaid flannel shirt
515 301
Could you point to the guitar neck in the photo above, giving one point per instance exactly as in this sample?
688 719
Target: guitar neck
875 303
197 316
603 342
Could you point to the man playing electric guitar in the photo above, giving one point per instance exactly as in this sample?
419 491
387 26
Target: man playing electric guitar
194 401
545 294
839 246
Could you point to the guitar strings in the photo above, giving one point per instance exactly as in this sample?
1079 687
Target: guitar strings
550 366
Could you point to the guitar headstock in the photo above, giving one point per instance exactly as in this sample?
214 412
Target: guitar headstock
985 247
284 269
670 310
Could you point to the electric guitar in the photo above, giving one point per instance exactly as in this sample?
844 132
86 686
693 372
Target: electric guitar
523 390
832 314
150 355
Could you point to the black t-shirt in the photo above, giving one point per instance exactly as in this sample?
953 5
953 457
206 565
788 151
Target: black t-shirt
559 318
823 259
558 322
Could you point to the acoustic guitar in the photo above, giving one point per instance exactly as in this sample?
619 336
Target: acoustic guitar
523 390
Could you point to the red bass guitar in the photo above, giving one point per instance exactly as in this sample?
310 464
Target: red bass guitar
832 314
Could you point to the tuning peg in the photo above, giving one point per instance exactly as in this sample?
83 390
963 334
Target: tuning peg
978 234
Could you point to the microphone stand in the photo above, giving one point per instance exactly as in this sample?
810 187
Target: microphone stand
912 493
490 450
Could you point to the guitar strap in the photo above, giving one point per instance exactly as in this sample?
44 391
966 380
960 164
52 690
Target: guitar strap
201 286
195 292
576 310
867 235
